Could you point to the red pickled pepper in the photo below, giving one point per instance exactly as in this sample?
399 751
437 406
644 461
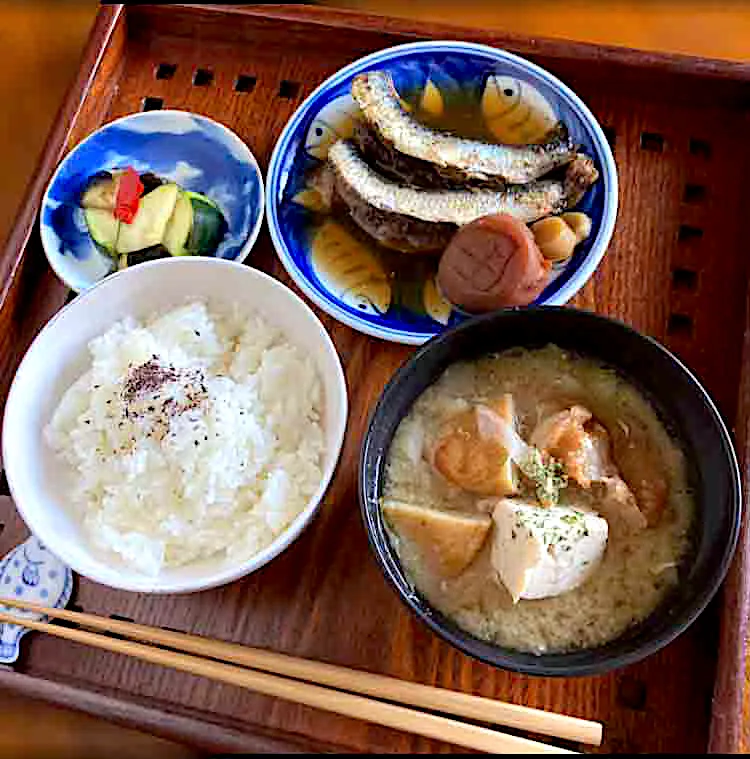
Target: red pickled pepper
129 191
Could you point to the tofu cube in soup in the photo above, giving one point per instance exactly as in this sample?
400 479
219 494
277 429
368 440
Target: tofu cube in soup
541 552
585 490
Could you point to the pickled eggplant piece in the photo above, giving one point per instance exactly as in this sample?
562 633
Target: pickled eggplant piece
141 256
150 182
101 191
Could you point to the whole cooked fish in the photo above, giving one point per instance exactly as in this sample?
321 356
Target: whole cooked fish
412 219
404 169
458 157
393 230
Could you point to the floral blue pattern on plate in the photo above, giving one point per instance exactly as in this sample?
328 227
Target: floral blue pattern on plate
454 68
30 573
194 151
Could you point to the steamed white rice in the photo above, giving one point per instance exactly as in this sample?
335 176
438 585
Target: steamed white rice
217 459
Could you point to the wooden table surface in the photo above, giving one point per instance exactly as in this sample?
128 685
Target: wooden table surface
42 42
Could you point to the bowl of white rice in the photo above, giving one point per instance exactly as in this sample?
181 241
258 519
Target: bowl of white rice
175 427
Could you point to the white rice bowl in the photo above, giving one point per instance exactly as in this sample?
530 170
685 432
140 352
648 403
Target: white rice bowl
228 518
225 476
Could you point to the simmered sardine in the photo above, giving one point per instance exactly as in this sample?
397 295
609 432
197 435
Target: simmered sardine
412 219
456 157
405 169
392 230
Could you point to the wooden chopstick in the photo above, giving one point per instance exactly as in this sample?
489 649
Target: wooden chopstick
379 686
327 699
344 703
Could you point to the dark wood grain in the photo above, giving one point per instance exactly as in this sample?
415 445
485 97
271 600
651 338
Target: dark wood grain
730 725
325 596
161 720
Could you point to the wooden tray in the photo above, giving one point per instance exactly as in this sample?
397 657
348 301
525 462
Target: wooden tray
677 269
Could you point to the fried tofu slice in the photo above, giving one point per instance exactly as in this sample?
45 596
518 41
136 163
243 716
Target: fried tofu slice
447 541
505 407
475 462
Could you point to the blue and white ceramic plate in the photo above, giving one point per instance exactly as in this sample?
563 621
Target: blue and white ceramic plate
415 312
199 154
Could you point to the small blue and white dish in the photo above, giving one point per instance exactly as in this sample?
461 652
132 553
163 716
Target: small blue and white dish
30 572
198 153
455 69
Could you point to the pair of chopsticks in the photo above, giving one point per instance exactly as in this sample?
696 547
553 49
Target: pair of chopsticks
323 686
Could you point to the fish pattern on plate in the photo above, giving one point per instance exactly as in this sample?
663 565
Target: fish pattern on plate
456 71
515 112
30 573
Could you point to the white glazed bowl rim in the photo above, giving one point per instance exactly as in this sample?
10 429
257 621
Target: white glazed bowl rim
15 415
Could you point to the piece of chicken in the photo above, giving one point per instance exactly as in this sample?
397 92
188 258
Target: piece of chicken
651 492
642 466
619 507
540 552
563 436
447 541
583 446
474 461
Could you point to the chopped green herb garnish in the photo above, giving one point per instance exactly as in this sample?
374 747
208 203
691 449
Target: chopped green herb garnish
547 473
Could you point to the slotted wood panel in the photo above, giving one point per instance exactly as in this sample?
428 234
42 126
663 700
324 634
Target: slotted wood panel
677 269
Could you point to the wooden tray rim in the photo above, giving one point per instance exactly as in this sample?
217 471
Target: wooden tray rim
726 733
